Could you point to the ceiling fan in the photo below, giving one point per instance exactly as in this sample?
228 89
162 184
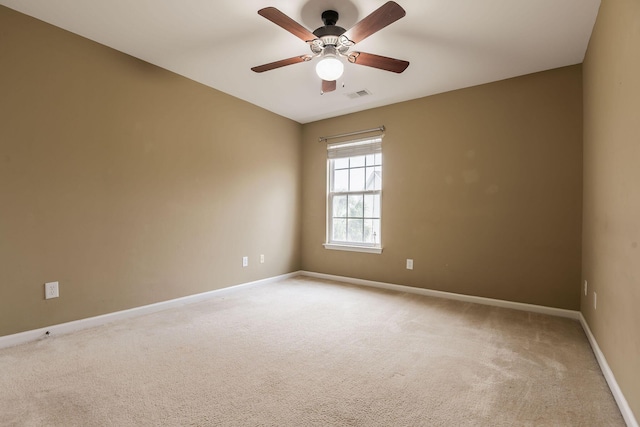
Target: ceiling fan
331 42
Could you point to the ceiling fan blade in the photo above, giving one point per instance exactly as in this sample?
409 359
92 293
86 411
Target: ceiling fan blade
281 63
377 61
328 86
386 14
282 20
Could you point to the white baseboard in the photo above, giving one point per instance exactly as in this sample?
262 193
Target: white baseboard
627 414
77 325
571 314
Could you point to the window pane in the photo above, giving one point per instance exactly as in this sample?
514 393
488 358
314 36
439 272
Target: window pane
357 179
369 179
339 230
369 205
356 206
341 163
340 207
371 160
378 158
376 231
374 178
370 233
376 206
357 161
354 231
341 180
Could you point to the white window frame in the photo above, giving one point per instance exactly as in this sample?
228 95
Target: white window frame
349 149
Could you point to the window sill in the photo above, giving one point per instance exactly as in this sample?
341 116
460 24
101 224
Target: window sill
352 248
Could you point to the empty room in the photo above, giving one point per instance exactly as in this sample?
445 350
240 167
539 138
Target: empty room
320 212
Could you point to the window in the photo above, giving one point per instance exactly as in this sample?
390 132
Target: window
354 195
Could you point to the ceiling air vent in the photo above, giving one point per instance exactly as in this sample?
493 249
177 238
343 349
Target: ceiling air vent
359 94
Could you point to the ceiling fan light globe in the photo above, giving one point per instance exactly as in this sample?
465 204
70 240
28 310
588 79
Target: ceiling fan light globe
329 68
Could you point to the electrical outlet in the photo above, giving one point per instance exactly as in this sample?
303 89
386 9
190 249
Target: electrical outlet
595 301
245 261
261 258
51 290
409 264
585 288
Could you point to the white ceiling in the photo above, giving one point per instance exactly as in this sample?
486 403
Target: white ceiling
450 44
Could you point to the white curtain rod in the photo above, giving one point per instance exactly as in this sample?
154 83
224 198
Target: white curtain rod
342 135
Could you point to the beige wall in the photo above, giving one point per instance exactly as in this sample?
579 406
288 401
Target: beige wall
611 251
130 184
481 188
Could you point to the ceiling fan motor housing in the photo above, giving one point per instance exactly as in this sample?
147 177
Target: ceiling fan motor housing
329 34
329 17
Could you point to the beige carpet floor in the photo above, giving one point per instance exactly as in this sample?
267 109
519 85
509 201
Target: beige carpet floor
306 352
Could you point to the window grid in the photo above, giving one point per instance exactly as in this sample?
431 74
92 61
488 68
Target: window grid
354 200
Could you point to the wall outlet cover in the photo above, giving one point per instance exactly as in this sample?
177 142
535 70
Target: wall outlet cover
51 290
